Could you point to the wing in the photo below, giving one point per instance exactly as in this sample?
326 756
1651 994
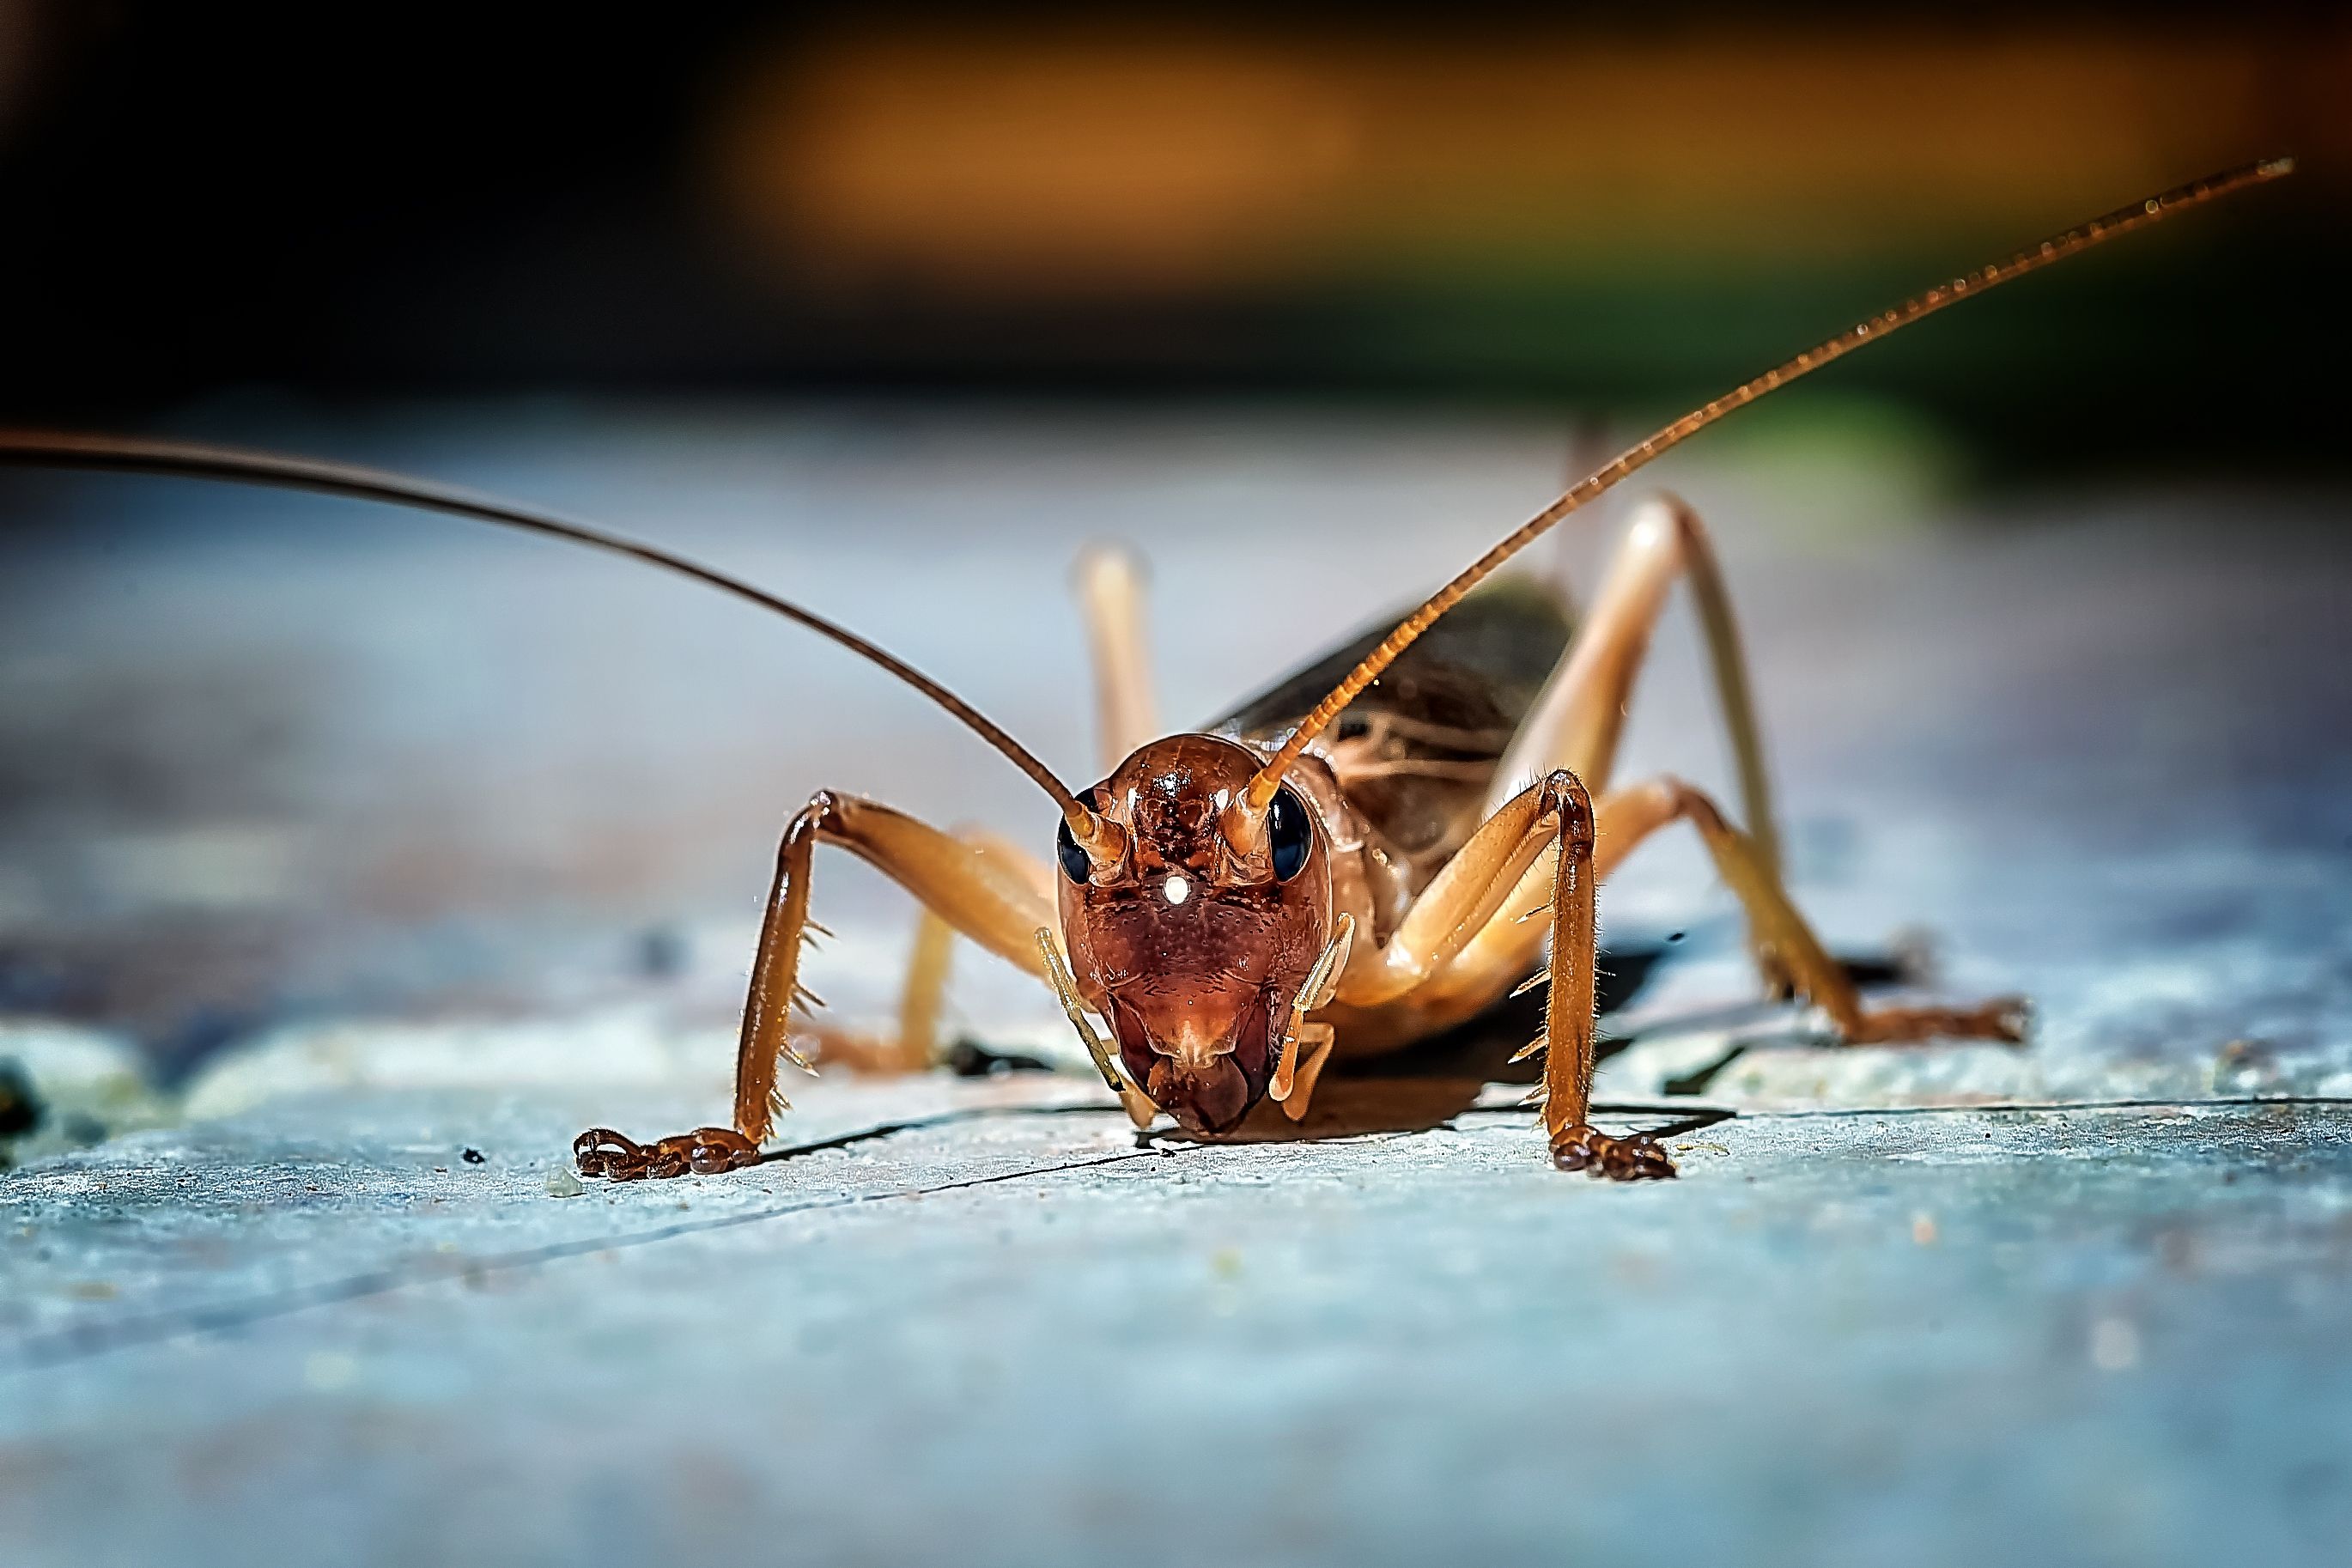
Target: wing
1416 752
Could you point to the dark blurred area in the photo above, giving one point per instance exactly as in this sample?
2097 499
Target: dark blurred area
1621 209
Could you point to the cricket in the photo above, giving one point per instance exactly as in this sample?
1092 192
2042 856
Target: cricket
1375 849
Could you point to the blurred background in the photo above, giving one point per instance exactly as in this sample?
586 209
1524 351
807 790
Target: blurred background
1573 207
892 306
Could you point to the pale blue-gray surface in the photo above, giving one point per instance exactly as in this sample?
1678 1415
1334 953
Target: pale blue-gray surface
2097 1336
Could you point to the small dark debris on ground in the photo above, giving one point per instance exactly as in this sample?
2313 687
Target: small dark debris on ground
969 1058
20 1106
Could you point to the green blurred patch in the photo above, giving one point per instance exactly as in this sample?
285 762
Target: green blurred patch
1859 464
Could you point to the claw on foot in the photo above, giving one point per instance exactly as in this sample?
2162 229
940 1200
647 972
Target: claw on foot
706 1152
1640 1158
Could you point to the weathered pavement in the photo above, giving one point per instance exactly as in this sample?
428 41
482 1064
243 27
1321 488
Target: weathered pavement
317 1331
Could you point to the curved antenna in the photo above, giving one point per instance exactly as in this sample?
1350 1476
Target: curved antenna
1253 804
198 460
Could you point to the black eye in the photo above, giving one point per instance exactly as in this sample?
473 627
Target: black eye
1290 833
1076 866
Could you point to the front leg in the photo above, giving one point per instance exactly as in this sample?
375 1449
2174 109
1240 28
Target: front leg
979 892
1465 901
706 1152
1567 1041
1306 1047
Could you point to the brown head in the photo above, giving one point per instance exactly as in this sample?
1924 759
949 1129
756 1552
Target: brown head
1194 933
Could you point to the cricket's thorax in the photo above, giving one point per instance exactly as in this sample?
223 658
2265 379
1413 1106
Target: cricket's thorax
1191 947
1401 781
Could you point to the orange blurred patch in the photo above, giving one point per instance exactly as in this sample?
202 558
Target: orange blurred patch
1014 166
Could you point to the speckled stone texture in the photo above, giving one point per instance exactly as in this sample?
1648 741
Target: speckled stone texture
350 866
2095 1335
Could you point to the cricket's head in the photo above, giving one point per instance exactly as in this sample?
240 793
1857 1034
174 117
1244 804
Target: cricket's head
1193 929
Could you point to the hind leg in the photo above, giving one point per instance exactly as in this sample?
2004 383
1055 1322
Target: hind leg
1109 582
1579 716
1478 927
1778 933
1579 719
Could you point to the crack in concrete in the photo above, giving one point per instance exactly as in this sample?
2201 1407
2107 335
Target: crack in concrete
82 1342
1992 1108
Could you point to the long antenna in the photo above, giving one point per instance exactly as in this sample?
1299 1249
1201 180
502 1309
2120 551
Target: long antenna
196 460
1260 793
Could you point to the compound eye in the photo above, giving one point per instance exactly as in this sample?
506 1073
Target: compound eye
1290 833
1076 865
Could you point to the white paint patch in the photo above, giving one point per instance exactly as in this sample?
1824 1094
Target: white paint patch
1176 889
2114 1344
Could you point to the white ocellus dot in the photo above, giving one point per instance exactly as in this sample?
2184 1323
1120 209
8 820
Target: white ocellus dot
1177 890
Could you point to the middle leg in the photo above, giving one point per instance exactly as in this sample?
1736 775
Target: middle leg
1110 581
922 994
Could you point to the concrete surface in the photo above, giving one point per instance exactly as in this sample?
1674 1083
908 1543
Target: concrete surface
331 849
316 1333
